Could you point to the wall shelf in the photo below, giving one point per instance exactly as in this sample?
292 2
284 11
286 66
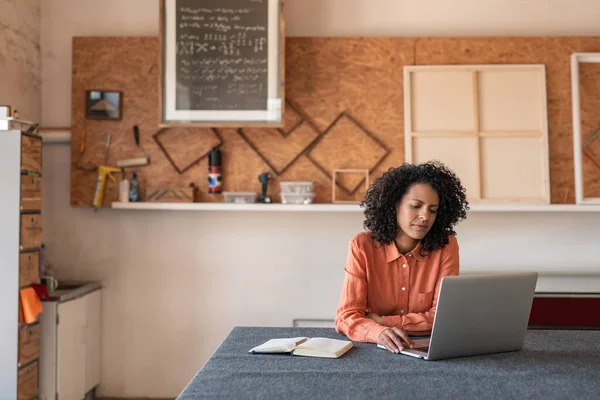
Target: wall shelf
341 207
238 207
516 207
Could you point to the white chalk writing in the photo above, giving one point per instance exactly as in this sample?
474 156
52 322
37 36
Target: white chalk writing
222 53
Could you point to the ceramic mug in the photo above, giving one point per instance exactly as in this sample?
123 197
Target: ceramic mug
50 283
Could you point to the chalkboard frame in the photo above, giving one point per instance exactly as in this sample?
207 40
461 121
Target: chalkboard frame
275 117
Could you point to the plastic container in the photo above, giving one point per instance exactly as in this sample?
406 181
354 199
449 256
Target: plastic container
240 197
297 198
300 187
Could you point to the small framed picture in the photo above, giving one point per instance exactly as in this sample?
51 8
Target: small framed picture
102 104
5 111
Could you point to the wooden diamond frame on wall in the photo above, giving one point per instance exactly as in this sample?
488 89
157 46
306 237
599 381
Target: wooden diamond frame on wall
347 171
379 143
290 107
156 136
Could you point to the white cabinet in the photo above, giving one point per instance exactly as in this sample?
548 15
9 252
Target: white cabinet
70 346
92 340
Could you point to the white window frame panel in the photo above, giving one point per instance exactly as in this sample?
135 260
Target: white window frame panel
576 59
408 136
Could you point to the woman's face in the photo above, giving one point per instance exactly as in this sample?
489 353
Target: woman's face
417 210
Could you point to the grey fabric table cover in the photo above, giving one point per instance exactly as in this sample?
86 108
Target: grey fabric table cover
555 364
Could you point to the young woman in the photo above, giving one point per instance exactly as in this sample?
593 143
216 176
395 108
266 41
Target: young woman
394 269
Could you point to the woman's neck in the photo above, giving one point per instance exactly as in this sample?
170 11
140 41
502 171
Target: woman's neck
405 243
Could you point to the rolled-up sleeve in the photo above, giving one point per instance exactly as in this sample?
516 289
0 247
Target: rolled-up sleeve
350 317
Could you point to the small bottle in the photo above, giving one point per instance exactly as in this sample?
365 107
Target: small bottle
134 189
124 191
214 171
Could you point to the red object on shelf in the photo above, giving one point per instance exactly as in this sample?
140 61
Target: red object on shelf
565 311
41 290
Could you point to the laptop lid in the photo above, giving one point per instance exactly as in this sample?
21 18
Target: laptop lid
481 314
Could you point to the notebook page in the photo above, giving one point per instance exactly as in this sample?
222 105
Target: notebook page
281 345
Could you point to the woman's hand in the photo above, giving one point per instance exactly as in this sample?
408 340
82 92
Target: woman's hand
392 339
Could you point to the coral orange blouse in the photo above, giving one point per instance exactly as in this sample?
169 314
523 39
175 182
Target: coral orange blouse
402 289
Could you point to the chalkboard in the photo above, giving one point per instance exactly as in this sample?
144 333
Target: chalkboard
222 62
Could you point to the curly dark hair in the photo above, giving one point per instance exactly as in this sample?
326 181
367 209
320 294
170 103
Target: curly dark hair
384 195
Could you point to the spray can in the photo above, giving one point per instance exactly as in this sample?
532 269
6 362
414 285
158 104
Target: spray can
214 171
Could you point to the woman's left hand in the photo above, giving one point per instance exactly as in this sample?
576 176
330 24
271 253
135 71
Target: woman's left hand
375 317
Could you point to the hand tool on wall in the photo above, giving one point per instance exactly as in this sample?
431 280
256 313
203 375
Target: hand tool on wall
104 171
264 180
78 165
135 162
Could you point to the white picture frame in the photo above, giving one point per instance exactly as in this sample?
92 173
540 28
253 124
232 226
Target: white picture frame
218 71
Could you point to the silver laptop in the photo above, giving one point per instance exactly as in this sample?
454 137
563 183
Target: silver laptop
478 314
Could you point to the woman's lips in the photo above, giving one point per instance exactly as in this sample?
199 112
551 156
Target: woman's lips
420 227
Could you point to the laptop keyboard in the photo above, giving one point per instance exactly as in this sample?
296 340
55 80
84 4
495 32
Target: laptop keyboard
424 349
421 345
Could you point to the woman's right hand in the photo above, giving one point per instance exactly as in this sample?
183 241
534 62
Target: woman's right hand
392 339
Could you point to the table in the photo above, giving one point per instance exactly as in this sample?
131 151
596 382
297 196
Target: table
554 364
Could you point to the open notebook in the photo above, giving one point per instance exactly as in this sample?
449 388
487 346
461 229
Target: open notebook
303 346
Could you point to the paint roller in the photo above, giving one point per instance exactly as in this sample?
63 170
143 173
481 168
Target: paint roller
134 162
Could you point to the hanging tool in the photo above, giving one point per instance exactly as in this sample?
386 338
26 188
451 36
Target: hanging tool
264 180
107 147
78 165
134 162
104 171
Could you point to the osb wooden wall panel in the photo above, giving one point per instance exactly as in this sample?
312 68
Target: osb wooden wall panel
344 110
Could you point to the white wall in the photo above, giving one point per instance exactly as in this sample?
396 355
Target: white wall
177 282
20 62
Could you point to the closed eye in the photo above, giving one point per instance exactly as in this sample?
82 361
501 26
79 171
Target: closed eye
419 206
